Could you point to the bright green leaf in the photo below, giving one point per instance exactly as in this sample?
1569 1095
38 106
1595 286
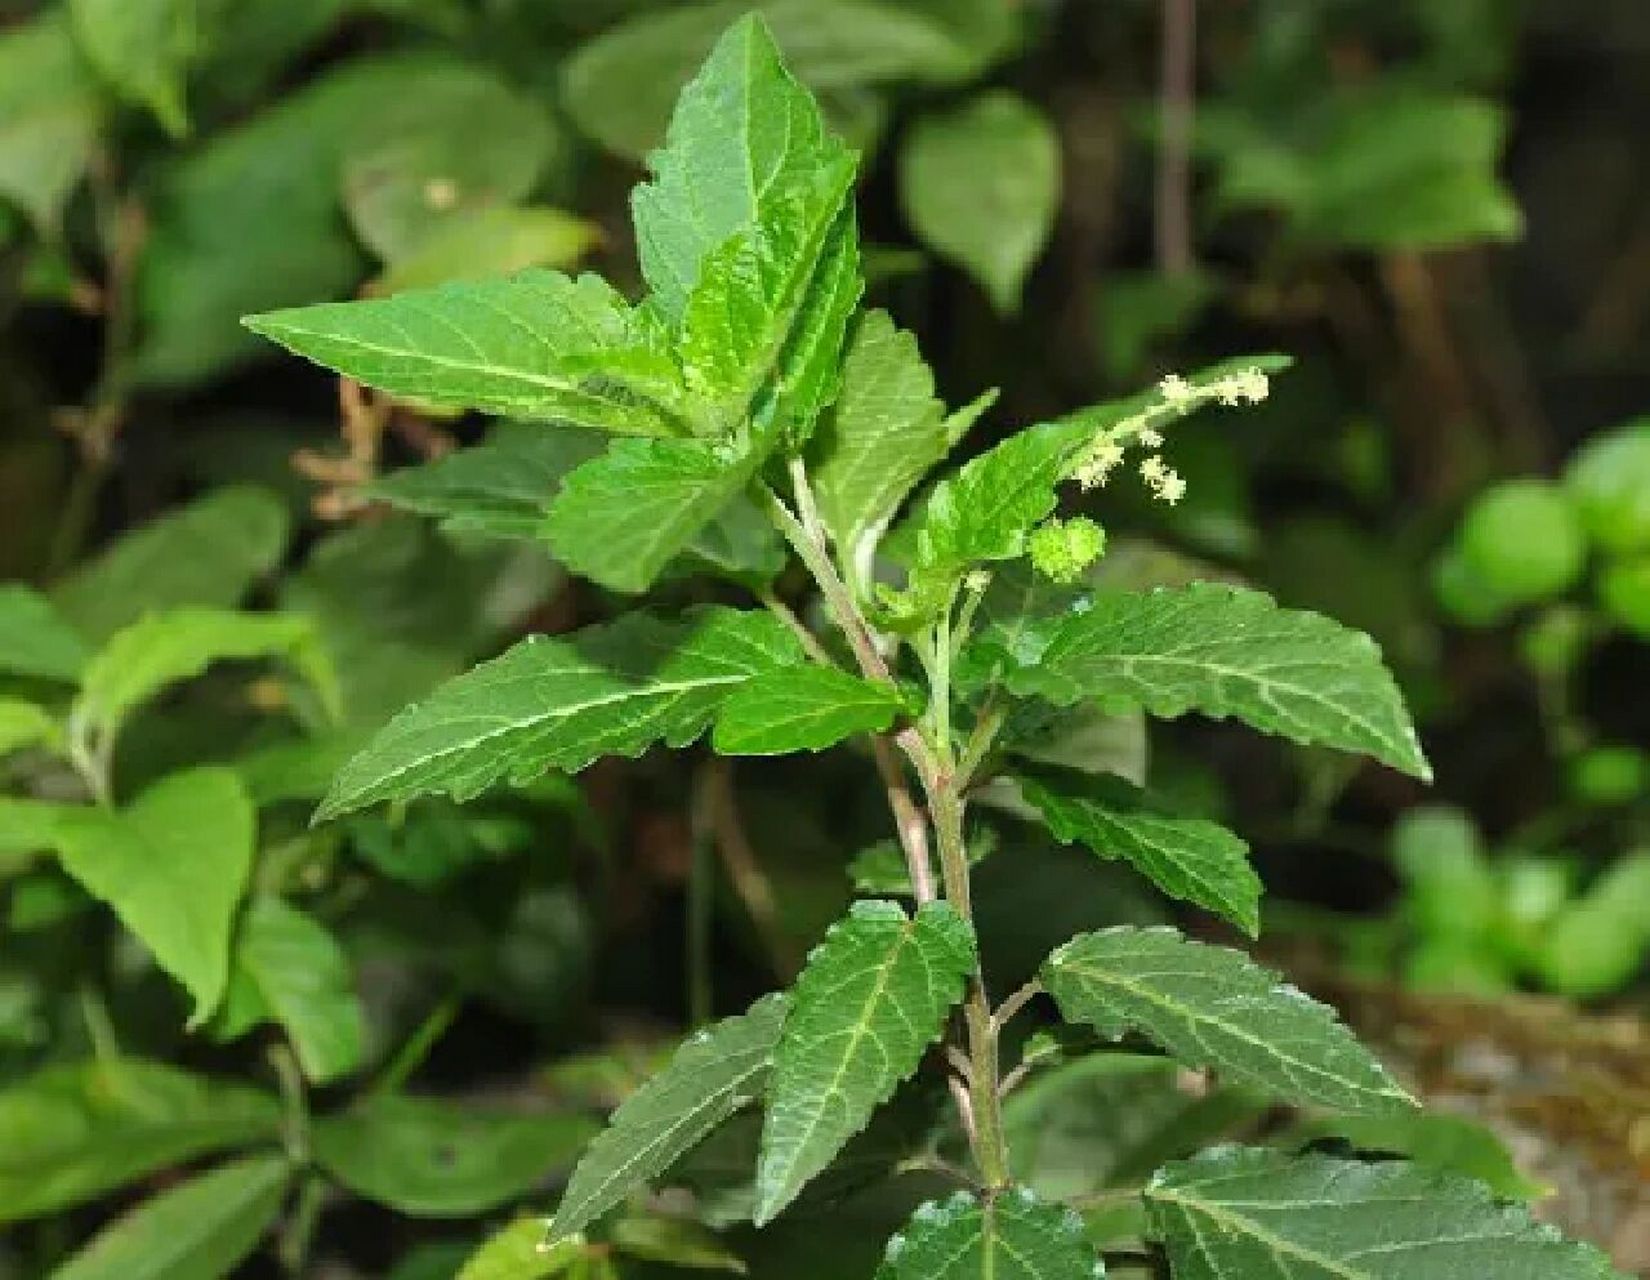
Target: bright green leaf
536 345
289 968
143 48
201 1229
1264 1215
70 1133
35 641
437 1159
23 724
716 1073
875 994
1011 1236
519 1252
980 184
561 703
803 709
1224 651
207 553
1188 858
173 865
1212 1007
492 242
166 648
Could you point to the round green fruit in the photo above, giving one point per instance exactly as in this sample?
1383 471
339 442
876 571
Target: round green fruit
1524 541
1609 481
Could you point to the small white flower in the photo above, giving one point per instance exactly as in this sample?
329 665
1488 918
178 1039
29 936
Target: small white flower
1152 471
1177 391
1151 438
1096 468
1172 488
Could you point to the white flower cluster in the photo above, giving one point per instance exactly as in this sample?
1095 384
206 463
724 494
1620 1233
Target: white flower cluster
1177 396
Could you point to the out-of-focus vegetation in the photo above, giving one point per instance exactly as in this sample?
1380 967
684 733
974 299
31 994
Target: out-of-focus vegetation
224 571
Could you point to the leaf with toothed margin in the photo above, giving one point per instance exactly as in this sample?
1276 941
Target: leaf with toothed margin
1189 858
715 1073
1222 651
806 709
1011 1235
1267 1215
534 345
1213 1007
873 997
562 703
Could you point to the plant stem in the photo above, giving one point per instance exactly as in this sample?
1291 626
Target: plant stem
1173 230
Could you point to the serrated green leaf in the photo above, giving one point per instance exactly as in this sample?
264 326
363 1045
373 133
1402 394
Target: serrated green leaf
537 345
1011 1235
621 518
620 87
143 49
804 709
714 1074
519 1252
70 1133
502 487
421 163
288 968
885 432
873 997
1270 1216
1224 651
561 703
201 1229
980 184
437 1159
166 648
492 242
173 865
1188 858
1213 1007
23 724
35 640
207 553
50 113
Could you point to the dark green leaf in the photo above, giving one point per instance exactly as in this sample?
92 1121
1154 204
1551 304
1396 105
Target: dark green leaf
435 1159
802 709
1010 1236
1212 1007
874 996
716 1073
143 49
49 117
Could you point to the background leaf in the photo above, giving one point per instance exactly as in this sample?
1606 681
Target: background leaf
34 639
142 48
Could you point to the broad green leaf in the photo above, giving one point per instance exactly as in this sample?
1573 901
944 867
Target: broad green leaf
1212 1007
436 1159
538 345
289 968
426 162
207 553
1224 651
561 703
202 1229
1435 1140
714 1074
49 117
23 724
980 184
173 865
492 242
166 648
249 220
35 641
1188 858
885 432
1010 1236
30 826
620 518
1269 1216
519 1252
620 87
875 994
297 768
502 487
143 48
808 368
802 709
70 1133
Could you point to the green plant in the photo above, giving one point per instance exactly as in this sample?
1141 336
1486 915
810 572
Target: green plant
743 390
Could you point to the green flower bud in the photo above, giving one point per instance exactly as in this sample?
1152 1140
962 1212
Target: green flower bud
1062 549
